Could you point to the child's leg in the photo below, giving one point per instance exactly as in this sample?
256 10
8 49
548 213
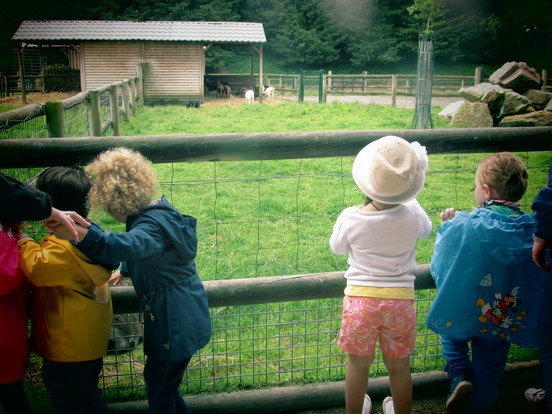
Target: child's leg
68 395
356 382
13 399
358 335
163 377
489 356
400 382
397 342
545 341
457 357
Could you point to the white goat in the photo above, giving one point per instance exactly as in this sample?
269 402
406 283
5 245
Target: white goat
269 92
249 96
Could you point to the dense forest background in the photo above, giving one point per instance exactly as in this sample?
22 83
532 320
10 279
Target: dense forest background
346 36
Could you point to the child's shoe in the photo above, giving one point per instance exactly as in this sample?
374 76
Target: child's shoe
460 389
535 395
367 407
387 406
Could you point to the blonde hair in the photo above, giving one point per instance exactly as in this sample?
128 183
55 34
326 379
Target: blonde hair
123 180
505 173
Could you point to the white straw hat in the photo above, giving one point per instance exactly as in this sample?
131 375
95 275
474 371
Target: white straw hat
391 170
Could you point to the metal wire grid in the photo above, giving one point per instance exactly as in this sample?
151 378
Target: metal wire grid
76 120
273 344
34 126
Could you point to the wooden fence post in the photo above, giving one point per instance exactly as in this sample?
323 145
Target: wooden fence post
132 96
478 75
126 100
544 80
393 90
55 119
114 106
140 83
22 74
364 80
138 90
94 114
324 91
329 81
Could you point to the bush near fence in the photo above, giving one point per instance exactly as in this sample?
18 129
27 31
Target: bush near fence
272 330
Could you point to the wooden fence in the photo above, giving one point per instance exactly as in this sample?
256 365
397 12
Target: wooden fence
104 108
223 294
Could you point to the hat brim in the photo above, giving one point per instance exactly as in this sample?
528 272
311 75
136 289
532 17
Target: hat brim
362 178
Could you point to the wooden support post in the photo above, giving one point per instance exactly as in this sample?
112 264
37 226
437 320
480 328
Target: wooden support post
132 96
55 119
138 91
126 100
261 86
94 114
22 74
478 75
140 83
114 106
324 92
544 80
393 90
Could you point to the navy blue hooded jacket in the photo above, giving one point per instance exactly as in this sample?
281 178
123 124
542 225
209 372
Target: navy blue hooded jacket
158 252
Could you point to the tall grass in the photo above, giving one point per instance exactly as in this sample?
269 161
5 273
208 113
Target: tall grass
268 218
275 217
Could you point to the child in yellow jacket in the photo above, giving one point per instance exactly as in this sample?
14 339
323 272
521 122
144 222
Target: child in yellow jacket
71 308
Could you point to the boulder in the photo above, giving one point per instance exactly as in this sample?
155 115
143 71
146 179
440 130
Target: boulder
539 118
488 93
473 115
539 99
448 111
513 104
517 76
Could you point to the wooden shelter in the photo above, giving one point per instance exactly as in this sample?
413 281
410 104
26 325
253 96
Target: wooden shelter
169 56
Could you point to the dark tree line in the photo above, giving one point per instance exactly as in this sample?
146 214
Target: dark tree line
354 34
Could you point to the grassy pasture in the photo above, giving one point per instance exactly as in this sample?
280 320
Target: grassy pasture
269 218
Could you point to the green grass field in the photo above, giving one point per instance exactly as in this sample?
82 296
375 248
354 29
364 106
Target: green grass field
270 218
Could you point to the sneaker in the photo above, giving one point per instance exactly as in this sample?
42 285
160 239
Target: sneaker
367 407
460 389
535 395
387 406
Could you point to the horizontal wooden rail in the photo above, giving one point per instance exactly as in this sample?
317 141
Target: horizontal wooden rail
45 152
271 289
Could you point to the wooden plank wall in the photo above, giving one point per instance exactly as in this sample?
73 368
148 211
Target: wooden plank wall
105 63
173 72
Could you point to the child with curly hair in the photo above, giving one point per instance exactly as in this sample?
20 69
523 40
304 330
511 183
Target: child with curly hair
157 251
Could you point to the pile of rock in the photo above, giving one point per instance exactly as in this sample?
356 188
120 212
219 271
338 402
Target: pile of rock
512 97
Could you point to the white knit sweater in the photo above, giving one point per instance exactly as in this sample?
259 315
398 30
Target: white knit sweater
381 245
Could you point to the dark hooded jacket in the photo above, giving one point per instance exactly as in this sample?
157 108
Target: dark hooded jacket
158 252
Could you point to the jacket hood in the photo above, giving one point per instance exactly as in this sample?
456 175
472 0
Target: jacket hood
502 237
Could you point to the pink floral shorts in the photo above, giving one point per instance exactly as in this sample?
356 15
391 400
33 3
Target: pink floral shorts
366 319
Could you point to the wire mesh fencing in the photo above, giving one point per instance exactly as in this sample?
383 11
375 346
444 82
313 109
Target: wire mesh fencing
273 218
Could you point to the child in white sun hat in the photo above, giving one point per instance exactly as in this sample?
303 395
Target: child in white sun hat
380 238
